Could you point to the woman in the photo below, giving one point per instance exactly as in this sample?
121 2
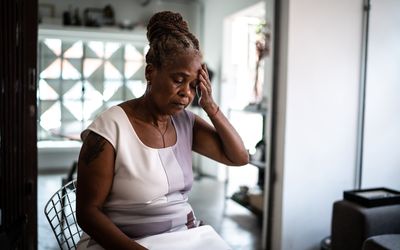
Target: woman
135 169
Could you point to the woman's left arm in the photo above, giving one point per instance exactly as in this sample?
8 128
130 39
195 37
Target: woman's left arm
221 142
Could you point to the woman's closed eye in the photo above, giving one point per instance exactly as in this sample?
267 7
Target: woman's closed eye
179 80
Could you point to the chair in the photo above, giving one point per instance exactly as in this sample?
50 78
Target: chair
60 212
353 224
382 242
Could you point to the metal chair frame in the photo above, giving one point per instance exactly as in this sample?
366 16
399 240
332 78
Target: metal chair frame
60 212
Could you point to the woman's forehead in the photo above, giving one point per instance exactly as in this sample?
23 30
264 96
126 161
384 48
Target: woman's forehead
184 63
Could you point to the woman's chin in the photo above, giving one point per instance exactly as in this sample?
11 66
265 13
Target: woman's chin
179 107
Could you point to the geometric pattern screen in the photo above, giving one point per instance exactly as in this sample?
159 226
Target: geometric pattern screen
80 79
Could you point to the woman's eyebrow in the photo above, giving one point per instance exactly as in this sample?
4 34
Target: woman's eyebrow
183 74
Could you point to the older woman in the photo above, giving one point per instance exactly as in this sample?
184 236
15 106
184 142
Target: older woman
135 169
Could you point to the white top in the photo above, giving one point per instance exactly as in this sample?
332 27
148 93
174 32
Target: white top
150 188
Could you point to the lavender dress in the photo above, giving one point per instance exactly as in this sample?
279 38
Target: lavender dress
150 189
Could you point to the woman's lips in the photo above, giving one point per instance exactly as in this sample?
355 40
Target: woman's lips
180 105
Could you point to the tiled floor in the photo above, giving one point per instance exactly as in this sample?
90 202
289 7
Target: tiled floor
240 228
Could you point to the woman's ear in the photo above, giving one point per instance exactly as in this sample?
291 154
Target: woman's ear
149 71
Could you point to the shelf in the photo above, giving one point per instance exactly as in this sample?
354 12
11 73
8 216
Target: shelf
259 164
91 33
255 108
254 199
241 200
261 171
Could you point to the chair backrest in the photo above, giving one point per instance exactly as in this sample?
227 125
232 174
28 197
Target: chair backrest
60 212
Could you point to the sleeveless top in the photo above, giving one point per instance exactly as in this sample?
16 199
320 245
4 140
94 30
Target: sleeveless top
149 194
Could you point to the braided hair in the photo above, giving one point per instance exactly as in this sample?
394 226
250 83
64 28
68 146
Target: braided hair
168 35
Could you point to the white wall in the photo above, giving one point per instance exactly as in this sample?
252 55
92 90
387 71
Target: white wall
318 99
381 158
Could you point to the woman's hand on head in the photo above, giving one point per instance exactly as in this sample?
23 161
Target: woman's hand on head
205 100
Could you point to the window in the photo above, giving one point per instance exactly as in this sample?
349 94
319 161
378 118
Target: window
79 79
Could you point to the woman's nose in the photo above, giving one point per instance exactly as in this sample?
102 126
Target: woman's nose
185 90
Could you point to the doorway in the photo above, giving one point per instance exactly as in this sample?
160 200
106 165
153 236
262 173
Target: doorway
246 84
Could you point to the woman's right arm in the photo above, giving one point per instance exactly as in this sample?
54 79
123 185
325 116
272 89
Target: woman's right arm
95 177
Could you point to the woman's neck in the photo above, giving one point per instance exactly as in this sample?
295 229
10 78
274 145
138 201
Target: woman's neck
148 112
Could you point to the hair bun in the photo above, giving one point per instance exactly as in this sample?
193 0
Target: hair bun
168 34
164 23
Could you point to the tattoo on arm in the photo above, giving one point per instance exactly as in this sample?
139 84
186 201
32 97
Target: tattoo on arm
94 146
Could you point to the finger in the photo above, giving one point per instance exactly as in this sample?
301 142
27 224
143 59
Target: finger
205 78
203 73
206 69
202 82
204 87
206 81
